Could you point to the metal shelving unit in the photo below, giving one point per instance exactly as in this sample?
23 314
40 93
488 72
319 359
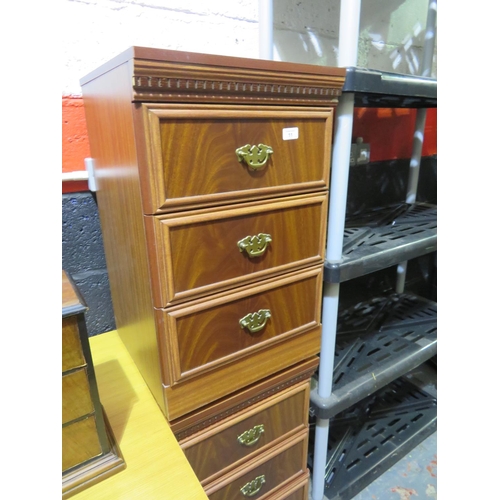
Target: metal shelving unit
370 347
367 439
378 341
383 237
374 396
381 89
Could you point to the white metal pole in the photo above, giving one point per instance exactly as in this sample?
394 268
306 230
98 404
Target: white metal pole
349 32
430 39
348 54
425 70
336 221
266 45
418 135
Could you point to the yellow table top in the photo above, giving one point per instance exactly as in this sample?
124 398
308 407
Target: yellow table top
156 466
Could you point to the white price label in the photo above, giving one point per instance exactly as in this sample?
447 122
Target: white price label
289 134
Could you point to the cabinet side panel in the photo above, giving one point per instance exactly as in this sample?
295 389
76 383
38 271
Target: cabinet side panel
109 115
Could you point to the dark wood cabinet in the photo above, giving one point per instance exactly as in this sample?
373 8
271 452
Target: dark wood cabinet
89 451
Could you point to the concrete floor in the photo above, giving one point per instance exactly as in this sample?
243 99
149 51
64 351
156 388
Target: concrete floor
413 476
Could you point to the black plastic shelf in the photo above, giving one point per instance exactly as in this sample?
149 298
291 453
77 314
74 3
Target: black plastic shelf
384 237
370 437
382 89
377 341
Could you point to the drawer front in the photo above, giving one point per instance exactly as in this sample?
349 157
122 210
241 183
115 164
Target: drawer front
80 443
301 493
195 392
257 428
298 489
262 478
72 354
197 254
76 399
212 155
231 326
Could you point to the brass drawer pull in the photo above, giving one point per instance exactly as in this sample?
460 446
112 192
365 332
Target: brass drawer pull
253 487
250 437
255 246
255 322
255 157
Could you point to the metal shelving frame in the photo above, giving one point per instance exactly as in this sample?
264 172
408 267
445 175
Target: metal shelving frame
365 88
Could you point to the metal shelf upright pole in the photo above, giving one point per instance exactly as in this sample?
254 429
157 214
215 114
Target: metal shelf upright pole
266 41
348 52
418 135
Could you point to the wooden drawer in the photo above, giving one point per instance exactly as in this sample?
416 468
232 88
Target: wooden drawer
256 429
297 489
76 399
207 355
224 380
194 254
209 333
72 354
80 442
192 159
265 475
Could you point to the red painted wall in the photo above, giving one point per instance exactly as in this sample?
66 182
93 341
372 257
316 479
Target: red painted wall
389 132
75 141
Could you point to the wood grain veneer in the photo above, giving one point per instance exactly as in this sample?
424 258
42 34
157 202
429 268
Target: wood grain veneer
175 201
110 121
284 463
89 452
297 489
212 451
80 442
76 399
205 334
183 174
122 100
72 354
221 381
195 253
83 430
177 76
239 402
156 466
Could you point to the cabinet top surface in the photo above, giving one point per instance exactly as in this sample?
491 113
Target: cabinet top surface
72 302
174 76
230 63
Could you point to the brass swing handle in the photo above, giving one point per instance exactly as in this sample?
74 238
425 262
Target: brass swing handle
255 157
253 487
251 436
255 245
256 321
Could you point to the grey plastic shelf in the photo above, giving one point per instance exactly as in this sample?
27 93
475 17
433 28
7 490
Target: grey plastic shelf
371 436
384 237
381 89
378 341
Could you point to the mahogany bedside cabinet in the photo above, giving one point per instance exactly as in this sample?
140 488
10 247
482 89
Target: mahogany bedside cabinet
89 453
212 178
